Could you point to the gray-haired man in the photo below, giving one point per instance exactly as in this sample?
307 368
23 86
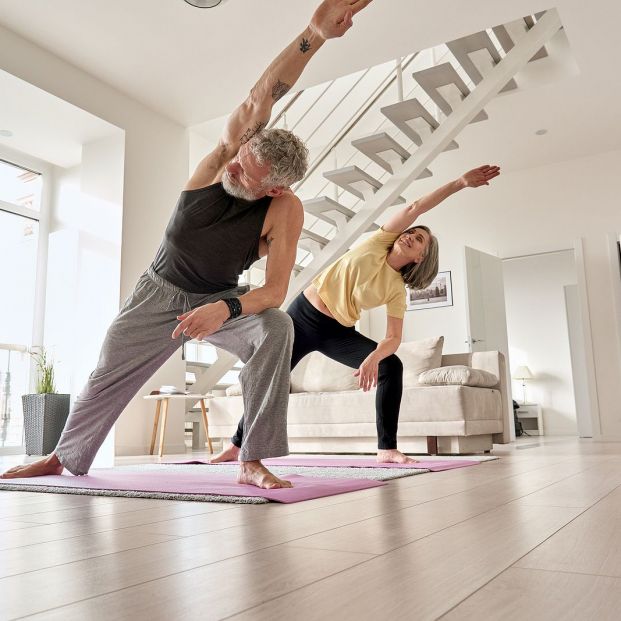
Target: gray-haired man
236 208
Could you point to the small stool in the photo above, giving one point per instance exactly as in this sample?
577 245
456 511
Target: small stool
161 405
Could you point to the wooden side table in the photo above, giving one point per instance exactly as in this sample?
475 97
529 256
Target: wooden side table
161 406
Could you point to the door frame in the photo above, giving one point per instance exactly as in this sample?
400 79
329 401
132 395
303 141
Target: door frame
588 338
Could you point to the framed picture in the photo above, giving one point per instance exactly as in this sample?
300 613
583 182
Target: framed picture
438 293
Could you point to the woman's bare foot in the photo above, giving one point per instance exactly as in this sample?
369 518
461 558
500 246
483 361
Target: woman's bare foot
230 453
255 473
49 465
393 456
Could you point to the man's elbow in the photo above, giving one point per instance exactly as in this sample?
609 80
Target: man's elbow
274 297
278 298
258 103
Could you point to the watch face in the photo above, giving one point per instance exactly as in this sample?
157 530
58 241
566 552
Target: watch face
204 4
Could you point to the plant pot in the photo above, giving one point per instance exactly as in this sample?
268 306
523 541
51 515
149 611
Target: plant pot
45 416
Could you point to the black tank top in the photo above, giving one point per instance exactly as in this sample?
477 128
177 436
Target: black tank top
211 239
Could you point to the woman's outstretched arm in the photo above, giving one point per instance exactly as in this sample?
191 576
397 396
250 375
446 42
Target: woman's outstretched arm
474 178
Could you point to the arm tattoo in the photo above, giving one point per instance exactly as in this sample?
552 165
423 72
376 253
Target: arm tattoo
279 90
251 131
305 46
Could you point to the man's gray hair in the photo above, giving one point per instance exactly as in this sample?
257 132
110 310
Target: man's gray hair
286 154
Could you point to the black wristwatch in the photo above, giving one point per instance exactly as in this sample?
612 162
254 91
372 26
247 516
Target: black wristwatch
235 307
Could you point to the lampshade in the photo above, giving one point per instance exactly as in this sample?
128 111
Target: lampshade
204 4
522 372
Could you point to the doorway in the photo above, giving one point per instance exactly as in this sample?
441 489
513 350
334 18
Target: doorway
546 353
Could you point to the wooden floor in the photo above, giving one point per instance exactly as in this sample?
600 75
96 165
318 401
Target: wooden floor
534 535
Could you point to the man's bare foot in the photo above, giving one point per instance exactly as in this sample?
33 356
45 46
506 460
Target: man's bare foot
230 453
393 456
255 473
49 465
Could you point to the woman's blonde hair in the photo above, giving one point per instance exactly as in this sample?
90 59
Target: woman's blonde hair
421 275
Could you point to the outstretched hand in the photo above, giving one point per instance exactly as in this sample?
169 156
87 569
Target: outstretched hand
480 176
333 18
367 373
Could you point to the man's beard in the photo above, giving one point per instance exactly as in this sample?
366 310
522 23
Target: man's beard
236 190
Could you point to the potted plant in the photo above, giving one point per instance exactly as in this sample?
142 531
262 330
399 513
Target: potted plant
46 412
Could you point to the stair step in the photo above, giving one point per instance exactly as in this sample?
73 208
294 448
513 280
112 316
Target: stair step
462 48
190 365
311 241
372 146
346 177
306 234
436 77
530 22
506 34
375 147
261 264
403 112
332 212
198 365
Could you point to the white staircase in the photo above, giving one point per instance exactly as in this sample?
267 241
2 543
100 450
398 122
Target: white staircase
361 196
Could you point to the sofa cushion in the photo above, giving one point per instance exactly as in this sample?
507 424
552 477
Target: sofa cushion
318 373
419 356
425 410
234 390
458 375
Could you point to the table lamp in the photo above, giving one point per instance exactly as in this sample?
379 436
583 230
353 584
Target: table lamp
523 373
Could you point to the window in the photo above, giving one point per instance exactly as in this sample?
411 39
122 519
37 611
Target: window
20 187
20 197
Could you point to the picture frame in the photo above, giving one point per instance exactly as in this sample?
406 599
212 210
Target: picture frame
439 293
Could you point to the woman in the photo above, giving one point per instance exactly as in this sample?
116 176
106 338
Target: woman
371 274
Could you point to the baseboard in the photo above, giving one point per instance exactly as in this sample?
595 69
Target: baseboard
453 445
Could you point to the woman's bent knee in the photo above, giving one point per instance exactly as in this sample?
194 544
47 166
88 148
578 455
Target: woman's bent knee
391 365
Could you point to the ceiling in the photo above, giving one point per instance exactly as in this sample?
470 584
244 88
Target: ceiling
192 64
44 126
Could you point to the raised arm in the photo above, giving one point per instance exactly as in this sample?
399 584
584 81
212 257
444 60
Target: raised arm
331 19
474 178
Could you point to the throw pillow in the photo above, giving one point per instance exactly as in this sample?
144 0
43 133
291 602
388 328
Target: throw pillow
419 356
458 375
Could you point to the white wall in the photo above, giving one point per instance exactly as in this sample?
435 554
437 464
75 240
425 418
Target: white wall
155 169
526 212
535 284
84 258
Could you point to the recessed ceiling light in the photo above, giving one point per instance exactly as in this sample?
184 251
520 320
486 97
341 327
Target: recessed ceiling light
541 132
5 133
204 4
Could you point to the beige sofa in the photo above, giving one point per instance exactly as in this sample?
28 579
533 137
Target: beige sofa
328 414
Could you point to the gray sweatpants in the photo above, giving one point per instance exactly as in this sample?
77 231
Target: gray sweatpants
139 341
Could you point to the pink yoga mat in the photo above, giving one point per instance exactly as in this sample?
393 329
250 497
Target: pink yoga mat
336 462
304 488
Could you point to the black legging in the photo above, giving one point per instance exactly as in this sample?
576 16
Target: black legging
315 331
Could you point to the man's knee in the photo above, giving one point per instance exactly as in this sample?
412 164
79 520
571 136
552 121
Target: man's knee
276 324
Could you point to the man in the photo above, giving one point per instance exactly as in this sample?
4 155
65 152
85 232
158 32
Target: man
236 207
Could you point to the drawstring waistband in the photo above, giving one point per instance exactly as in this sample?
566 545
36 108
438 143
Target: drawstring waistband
186 297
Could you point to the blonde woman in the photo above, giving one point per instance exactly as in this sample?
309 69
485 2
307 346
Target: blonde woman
370 275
